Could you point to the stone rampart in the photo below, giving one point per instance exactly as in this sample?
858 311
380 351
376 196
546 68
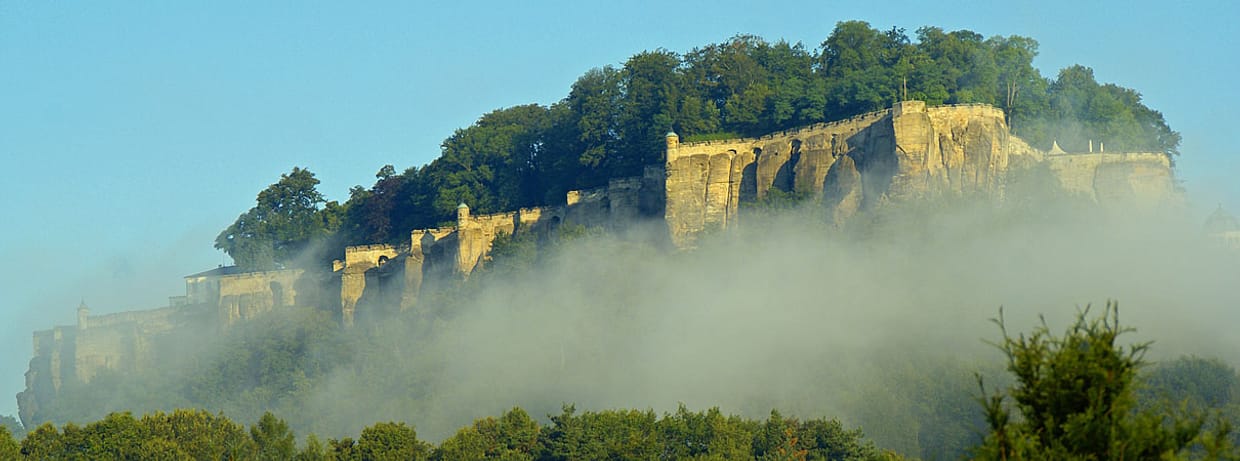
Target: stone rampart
707 181
906 153
246 295
368 255
119 342
1111 177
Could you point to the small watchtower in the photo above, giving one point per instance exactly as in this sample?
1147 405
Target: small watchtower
462 214
673 140
83 315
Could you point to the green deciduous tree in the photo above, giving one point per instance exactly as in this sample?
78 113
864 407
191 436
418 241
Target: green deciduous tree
609 434
390 442
313 451
44 442
705 435
514 436
273 438
13 425
283 224
9 448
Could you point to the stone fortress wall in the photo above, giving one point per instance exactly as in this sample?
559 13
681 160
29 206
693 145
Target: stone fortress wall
904 153
122 342
439 254
707 181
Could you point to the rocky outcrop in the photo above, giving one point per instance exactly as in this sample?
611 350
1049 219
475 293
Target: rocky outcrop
909 152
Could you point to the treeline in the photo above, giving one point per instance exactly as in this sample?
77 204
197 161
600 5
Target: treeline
609 434
613 121
1078 395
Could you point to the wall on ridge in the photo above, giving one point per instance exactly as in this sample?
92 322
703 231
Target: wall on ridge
121 342
1142 178
443 254
358 260
909 152
246 295
707 181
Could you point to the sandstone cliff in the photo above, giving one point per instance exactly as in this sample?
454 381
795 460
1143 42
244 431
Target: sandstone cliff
905 153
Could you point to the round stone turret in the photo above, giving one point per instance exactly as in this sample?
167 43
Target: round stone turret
673 140
462 213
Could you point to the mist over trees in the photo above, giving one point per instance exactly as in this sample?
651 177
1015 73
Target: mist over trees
1075 396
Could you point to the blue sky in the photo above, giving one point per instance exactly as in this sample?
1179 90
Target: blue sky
131 133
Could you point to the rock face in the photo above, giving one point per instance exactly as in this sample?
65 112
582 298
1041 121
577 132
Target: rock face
908 152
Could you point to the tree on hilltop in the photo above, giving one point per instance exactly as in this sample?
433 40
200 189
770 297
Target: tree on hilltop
286 220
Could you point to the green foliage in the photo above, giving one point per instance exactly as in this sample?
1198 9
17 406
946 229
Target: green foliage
268 363
514 436
13 425
390 442
516 254
609 434
273 438
1076 110
9 448
1075 397
1199 382
922 405
706 435
314 450
1198 386
43 442
282 225
782 438
344 449
180 435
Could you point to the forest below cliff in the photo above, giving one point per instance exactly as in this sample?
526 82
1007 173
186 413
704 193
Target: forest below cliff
613 122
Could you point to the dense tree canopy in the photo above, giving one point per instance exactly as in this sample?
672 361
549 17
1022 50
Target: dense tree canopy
603 435
287 219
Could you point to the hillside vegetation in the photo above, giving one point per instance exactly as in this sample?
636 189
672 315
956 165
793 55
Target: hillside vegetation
1076 396
613 121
